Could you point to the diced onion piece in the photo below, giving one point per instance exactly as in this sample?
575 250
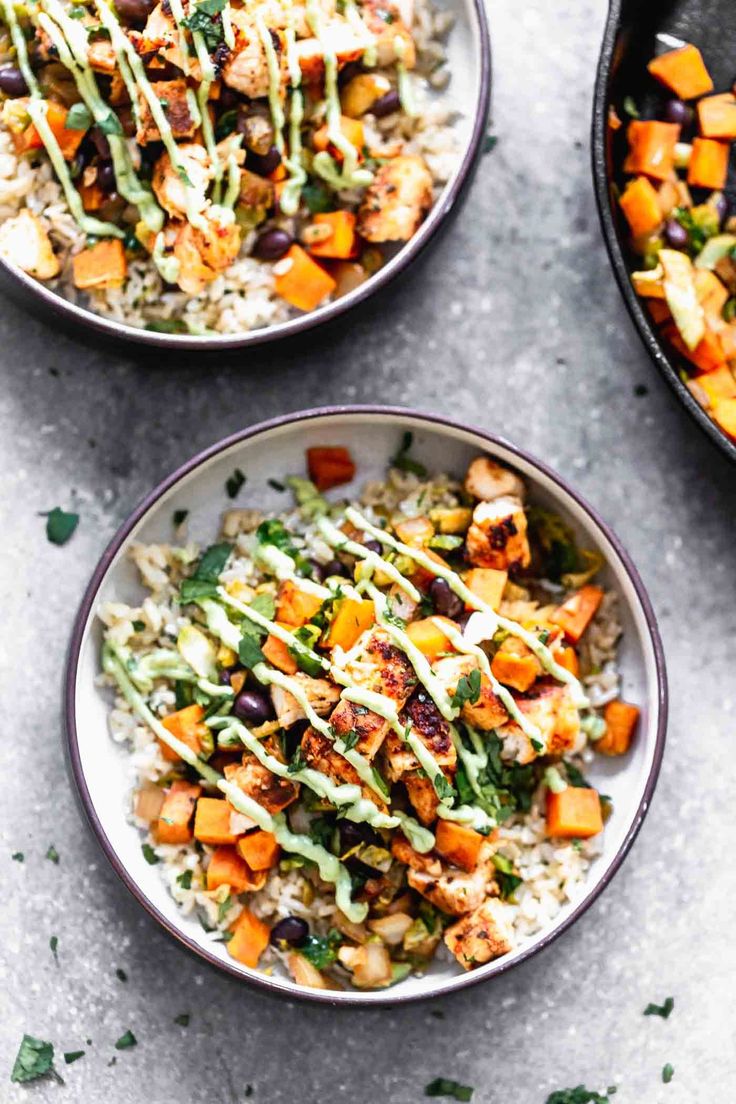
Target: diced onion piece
240 823
148 802
198 650
391 929
370 964
356 932
304 973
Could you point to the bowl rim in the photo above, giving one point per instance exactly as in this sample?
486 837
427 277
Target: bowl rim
25 286
601 183
71 745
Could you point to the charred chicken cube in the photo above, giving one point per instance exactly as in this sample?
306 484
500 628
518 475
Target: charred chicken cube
497 536
482 935
396 201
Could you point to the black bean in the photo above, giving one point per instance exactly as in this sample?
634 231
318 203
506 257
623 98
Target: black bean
335 567
373 546
318 571
263 164
386 105
106 176
252 706
675 111
444 599
676 235
12 81
292 931
134 11
272 244
354 835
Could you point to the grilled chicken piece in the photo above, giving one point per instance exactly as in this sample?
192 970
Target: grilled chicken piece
422 796
246 69
321 755
485 479
453 891
202 253
348 46
255 191
402 850
428 723
497 535
170 189
484 934
489 711
550 706
385 21
321 694
382 667
396 201
25 243
172 95
257 781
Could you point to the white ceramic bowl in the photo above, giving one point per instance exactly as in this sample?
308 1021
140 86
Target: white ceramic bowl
274 449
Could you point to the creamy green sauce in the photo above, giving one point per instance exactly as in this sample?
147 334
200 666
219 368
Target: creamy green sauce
37 113
113 665
337 539
370 51
272 627
283 567
406 91
323 164
291 193
167 265
330 868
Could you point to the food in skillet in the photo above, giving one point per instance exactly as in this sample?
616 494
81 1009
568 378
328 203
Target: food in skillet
678 218
201 165
358 731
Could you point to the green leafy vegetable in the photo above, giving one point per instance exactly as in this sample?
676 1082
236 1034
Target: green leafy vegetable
18 856
489 143
443 1086
60 525
126 1041
317 197
73 1055
579 1095
308 635
272 531
182 1019
185 880
444 789
149 854
35 1058
404 462
662 1010
700 222
201 21
249 651
139 626
226 124
224 907
167 325
179 517
310 502
668 1072
203 583
53 855
277 485
78 117
234 483
504 787
54 947
506 875
110 124
321 950
350 739
468 689
298 762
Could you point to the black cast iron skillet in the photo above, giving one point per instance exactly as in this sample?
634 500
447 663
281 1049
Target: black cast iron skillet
629 42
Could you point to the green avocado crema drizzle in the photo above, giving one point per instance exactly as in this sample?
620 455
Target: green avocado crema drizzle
37 112
70 39
323 164
289 199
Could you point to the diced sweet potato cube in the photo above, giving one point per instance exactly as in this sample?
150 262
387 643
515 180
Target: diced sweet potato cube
296 605
259 850
212 821
640 204
102 265
574 813
517 671
683 71
278 655
342 242
487 583
352 617
717 116
173 824
708 166
724 413
186 725
575 614
227 867
428 637
621 721
458 844
651 148
301 281
249 940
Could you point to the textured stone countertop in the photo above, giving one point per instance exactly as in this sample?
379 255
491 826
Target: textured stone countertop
514 323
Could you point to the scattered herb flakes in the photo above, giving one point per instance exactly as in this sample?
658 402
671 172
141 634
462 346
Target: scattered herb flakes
662 1010
139 626
443 788
641 389
249 651
248 1090
506 875
35 1058
468 689
18 856
437 1014
149 854
179 517
234 483
182 1019
629 106
297 763
668 1072
404 462
277 486
185 880
350 739
223 908
443 1086
120 974
72 1055
203 583
489 143
78 117
580 1095
60 525
52 855
321 950
54 947
317 197
126 1041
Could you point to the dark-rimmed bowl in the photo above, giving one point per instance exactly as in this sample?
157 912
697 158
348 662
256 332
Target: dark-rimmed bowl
268 451
469 62
629 42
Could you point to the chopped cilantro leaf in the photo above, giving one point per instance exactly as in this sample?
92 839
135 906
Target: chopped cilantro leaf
53 855
18 856
60 525
662 1010
179 517
54 946
489 143
139 626
234 483
443 1086
203 583
579 1095
35 1058
121 974
149 854
73 1055
444 789
110 124
404 462
468 689
223 908
629 106
78 117
350 739
506 875
126 1040
298 762
321 950
185 880
277 486
182 1019
249 651
317 198
668 1072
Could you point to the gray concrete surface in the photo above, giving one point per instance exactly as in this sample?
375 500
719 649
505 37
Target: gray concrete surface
514 322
